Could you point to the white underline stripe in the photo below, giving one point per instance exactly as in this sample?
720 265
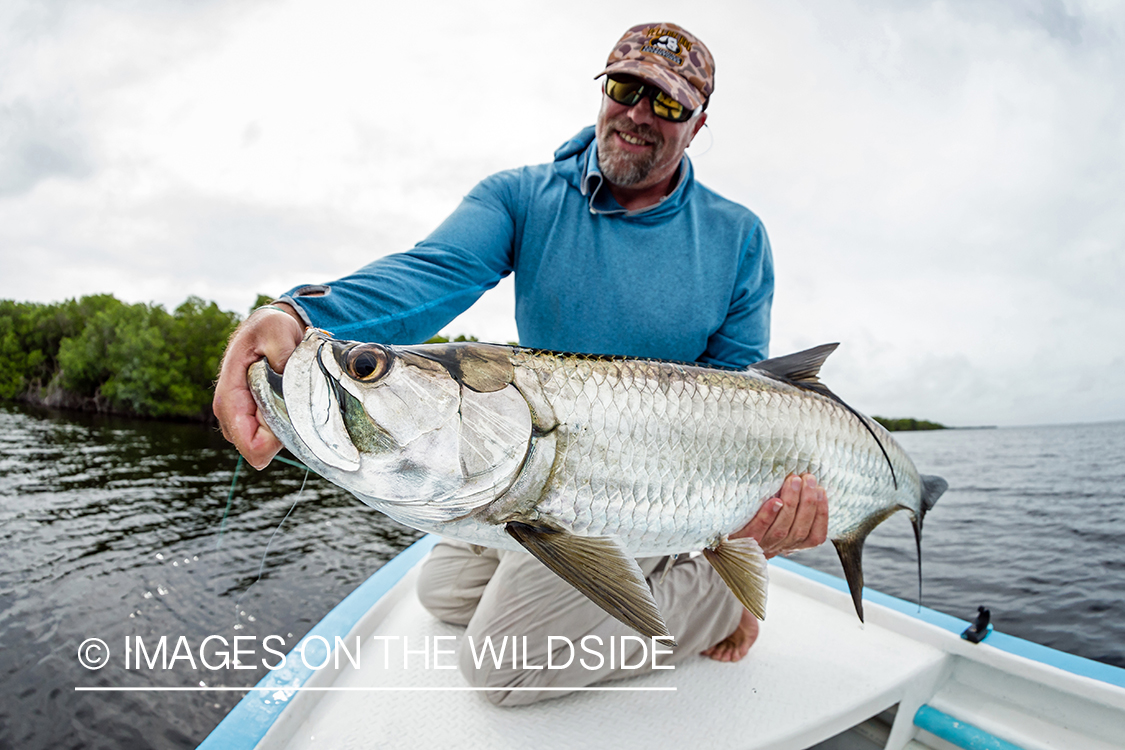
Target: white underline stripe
361 689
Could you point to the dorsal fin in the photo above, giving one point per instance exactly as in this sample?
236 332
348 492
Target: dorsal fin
801 370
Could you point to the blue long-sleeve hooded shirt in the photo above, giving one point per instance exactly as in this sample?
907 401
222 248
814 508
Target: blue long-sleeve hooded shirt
690 278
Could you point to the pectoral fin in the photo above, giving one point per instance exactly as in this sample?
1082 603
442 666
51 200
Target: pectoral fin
600 569
742 566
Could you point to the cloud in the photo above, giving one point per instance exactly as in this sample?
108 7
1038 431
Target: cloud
36 145
941 181
1066 22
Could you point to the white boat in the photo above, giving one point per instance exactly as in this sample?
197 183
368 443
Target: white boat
816 677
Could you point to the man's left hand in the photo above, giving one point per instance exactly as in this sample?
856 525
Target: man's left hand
795 518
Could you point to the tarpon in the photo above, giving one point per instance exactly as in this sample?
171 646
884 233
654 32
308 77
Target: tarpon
589 461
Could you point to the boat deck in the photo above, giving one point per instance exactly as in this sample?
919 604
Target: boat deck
816 675
784 683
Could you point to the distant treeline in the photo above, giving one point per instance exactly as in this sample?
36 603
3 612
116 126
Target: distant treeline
894 425
100 354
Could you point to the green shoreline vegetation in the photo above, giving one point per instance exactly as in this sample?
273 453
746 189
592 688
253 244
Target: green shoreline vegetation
100 354
103 355
908 423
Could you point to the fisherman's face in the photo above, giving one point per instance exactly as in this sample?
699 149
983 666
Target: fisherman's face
637 149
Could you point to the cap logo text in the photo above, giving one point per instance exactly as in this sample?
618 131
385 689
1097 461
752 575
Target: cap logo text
668 46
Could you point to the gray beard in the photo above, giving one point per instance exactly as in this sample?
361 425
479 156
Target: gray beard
622 169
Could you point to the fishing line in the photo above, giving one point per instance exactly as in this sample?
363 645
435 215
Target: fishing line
284 460
226 513
230 497
710 143
266 551
234 481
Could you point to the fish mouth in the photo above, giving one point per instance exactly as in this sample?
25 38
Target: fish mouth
274 379
266 388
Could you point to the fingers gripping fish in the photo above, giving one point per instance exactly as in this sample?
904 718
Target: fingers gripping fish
585 461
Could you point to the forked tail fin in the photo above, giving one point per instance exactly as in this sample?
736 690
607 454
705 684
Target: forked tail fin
932 488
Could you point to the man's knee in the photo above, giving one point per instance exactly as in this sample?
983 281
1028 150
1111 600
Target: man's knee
452 579
445 606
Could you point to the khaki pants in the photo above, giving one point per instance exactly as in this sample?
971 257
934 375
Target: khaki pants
509 593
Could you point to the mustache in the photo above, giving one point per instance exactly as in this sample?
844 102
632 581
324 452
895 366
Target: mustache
642 130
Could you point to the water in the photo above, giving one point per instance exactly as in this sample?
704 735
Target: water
1031 527
110 529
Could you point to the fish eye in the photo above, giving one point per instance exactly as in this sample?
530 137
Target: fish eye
367 363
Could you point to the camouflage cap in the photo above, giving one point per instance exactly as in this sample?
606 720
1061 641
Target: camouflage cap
668 57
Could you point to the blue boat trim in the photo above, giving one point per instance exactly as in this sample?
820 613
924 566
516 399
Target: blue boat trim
960 733
247 723
1078 665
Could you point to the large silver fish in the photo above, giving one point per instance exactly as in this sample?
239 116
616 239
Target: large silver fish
588 461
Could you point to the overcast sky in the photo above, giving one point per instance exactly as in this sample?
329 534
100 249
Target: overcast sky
943 183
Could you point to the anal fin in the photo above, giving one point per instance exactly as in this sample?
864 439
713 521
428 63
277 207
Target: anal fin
600 569
742 566
850 549
851 557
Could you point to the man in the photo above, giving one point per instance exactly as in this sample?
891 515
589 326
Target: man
616 249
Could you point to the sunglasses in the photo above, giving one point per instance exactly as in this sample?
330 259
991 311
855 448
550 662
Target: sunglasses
629 92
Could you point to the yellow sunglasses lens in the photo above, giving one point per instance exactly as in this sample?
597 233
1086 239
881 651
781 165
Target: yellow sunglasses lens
667 107
627 93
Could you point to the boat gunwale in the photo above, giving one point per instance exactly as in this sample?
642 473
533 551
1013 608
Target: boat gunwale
1079 666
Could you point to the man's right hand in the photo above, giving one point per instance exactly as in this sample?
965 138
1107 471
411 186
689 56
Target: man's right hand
795 518
270 333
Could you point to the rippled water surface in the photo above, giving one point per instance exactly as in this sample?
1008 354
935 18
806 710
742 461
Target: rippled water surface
1032 526
111 528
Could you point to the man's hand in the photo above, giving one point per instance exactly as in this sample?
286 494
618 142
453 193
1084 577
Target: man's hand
269 333
796 518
